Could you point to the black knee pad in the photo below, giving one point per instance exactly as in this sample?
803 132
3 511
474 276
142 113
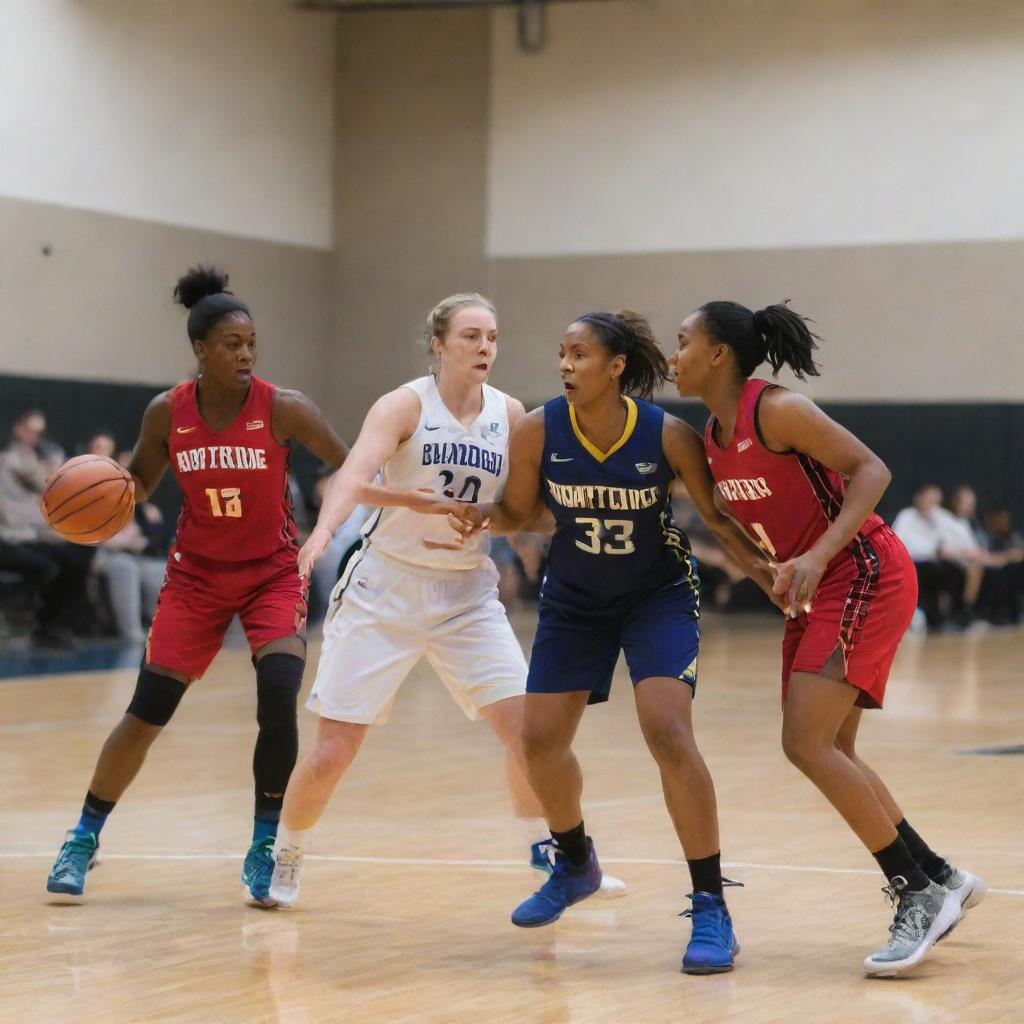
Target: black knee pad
278 681
156 697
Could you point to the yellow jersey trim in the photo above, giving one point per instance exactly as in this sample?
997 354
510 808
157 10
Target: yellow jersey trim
627 432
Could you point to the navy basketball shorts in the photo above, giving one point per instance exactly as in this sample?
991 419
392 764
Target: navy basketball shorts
575 650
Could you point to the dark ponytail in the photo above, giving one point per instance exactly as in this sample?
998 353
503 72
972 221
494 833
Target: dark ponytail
775 334
203 292
629 334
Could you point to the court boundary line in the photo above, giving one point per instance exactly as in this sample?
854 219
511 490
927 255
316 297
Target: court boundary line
461 863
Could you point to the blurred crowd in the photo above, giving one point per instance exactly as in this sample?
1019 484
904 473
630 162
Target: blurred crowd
970 566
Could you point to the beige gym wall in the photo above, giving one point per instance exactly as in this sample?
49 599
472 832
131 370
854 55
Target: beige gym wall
154 136
450 142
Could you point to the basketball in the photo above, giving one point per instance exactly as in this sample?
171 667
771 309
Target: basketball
89 499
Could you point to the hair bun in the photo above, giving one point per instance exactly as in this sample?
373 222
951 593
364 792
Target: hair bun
199 282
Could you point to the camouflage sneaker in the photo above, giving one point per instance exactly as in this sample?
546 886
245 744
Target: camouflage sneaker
922 918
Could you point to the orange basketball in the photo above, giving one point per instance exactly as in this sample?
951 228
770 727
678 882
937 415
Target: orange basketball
89 499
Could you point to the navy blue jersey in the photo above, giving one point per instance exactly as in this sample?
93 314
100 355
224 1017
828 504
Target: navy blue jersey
615 539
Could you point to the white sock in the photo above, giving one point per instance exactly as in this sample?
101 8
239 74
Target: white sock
291 837
533 830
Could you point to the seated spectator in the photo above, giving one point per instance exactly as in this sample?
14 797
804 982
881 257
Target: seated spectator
947 556
155 529
133 578
519 559
58 569
724 586
1002 586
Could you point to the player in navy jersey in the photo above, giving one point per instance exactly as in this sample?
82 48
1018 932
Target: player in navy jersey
227 435
619 577
805 489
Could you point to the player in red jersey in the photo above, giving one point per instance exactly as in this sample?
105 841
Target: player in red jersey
226 434
805 490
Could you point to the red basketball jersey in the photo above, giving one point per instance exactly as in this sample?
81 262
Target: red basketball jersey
784 501
235 480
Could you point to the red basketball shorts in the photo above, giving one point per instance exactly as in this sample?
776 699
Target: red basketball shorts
863 606
200 596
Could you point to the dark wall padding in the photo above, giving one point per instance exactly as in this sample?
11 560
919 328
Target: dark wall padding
981 444
76 410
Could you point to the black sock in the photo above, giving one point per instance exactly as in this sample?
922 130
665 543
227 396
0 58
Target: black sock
896 859
933 865
573 844
706 874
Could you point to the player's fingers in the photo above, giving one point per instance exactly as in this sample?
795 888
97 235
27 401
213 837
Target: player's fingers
437 545
783 579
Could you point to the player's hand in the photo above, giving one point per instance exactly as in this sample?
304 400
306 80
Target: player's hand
466 522
428 503
316 544
796 582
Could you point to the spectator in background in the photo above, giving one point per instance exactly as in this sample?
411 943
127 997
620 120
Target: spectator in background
519 559
724 586
157 531
133 577
30 547
1002 586
948 557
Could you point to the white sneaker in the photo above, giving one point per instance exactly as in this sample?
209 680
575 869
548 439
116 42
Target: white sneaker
970 890
611 887
284 884
922 918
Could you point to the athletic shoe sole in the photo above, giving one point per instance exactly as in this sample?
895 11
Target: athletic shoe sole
945 921
711 968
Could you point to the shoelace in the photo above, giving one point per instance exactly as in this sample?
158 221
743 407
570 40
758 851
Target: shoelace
909 919
77 846
726 883
288 860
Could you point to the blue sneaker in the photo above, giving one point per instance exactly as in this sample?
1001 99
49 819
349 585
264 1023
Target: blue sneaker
542 859
566 886
77 856
258 869
712 943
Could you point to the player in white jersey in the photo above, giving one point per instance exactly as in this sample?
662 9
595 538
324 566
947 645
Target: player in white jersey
409 591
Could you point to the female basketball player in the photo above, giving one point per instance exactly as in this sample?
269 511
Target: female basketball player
399 598
619 576
226 434
805 489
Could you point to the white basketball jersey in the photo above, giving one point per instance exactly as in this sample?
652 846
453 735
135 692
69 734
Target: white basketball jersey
466 463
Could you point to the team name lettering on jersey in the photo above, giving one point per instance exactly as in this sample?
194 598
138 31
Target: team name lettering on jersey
451 453
745 490
617 499
221 457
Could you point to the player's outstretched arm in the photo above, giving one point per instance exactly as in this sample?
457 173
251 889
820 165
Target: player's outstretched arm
150 456
296 416
517 506
791 422
684 449
391 420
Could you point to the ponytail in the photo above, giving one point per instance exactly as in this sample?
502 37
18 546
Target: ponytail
629 334
775 334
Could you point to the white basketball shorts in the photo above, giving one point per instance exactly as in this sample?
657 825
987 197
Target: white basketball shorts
384 616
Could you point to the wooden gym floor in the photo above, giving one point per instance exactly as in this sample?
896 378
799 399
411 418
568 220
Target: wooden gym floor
417 864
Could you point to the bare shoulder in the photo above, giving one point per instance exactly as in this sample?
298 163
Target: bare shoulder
287 400
516 410
397 413
678 438
156 420
528 433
